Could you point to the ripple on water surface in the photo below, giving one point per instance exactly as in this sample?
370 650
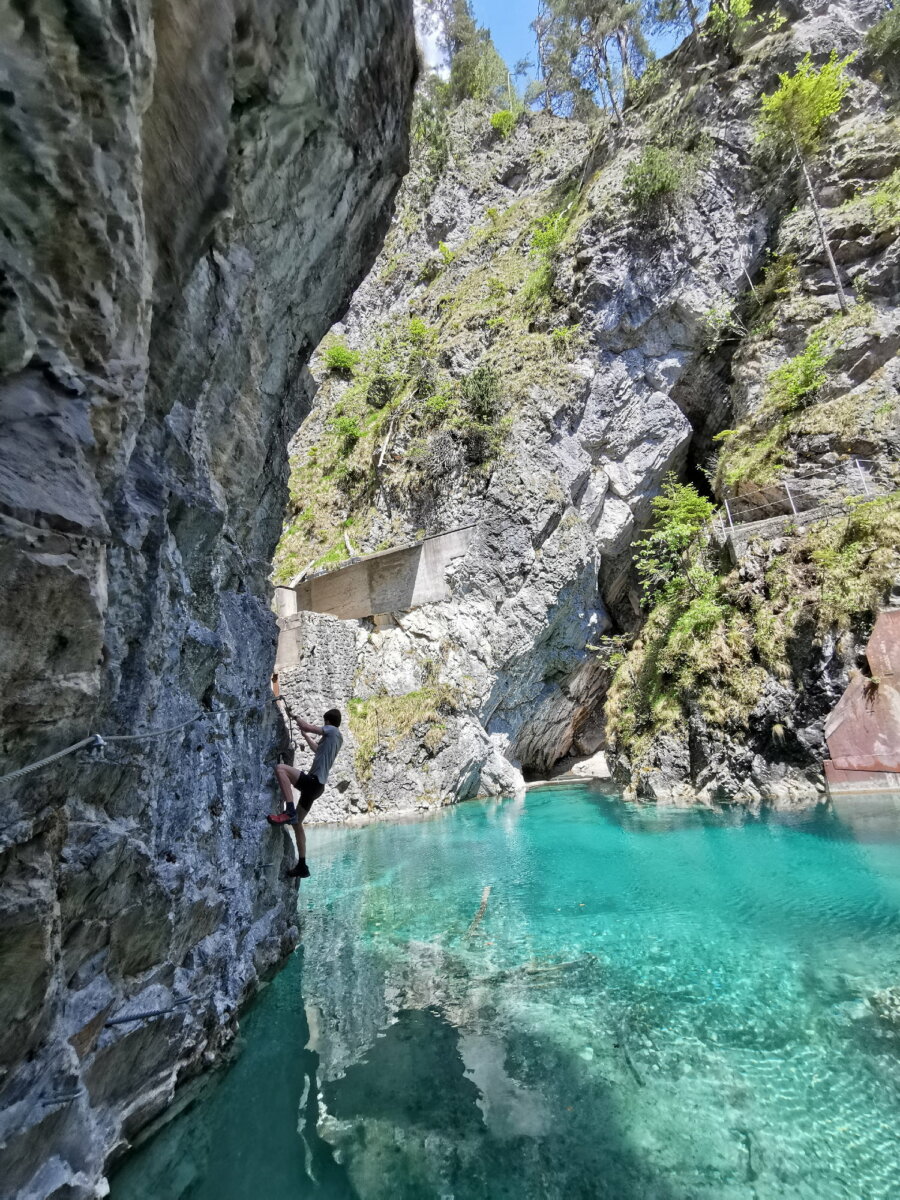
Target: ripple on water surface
653 1004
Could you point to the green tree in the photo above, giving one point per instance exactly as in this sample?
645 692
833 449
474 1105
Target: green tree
430 130
794 118
678 16
883 42
679 513
477 72
730 18
588 50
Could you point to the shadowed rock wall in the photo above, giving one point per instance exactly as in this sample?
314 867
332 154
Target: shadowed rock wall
188 196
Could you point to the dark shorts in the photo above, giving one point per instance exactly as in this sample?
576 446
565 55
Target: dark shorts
309 788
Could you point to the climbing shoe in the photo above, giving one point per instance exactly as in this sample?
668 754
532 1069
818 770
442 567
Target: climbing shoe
301 871
284 818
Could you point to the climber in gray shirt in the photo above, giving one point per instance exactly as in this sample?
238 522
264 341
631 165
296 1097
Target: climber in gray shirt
310 784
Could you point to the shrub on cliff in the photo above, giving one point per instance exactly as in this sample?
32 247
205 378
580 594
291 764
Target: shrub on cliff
504 122
883 42
340 358
885 203
653 181
679 513
706 650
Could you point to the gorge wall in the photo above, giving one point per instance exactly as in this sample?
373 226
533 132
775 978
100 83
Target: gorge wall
538 346
188 197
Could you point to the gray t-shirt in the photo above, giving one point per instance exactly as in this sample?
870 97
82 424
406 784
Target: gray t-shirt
329 744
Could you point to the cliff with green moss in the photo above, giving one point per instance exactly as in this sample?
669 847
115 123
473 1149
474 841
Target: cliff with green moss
565 316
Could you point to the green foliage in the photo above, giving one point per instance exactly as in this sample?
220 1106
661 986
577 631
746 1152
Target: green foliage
708 647
796 114
885 203
480 391
796 382
565 339
780 278
654 180
339 357
883 42
419 333
721 322
446 253
590 53
548 231
751 454
348 432
477 72
729 18
546 236
853 562
430 128
652 80
538 287
675 16
732 20
755 452
406 425
705 611
679 513
504 122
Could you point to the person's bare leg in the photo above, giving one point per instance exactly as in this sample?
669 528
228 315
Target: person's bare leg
300 871
286 776
300 832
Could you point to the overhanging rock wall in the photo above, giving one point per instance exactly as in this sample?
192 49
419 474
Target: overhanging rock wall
189 194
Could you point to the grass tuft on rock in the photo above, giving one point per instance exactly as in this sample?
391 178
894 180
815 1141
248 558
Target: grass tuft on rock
382 722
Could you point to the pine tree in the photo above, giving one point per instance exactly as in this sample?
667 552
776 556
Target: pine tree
588 49
477 72
678 16
793 119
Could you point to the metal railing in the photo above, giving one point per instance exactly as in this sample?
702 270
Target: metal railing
786 500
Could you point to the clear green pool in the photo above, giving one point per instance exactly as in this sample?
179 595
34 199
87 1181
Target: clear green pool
654 1004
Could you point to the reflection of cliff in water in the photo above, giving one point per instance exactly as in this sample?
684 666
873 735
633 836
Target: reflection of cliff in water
250 1130
863 817
437 1075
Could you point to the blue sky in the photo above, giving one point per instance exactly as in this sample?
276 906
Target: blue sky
510 24
509 21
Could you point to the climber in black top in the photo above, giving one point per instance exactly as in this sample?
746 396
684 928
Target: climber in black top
310 784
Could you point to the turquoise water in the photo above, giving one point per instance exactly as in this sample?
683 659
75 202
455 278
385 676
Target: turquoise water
653 1005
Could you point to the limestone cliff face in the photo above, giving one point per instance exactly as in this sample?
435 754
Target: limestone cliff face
526 263
189 195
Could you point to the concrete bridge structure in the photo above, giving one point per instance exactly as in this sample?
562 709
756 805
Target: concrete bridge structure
388 581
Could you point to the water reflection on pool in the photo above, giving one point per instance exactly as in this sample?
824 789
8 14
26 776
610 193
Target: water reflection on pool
654 1003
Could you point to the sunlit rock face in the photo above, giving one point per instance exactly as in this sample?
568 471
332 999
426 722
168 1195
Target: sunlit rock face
189 194
615 382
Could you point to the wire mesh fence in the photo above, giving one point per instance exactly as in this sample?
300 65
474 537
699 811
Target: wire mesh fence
786 500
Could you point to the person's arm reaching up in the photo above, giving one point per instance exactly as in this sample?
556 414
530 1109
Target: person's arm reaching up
305 727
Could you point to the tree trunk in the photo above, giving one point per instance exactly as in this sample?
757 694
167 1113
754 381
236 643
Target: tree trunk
606 75
622 39
842 295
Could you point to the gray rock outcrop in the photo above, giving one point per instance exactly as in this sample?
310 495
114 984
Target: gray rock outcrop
189 195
